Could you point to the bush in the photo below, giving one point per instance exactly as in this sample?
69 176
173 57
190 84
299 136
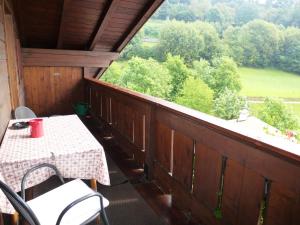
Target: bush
146 76
275 113
112 74
220 75
228 105
178 72
197 95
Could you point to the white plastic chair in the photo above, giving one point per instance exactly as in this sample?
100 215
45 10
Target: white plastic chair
72 203
23 112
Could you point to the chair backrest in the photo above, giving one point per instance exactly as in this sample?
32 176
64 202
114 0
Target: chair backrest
23 112
19 204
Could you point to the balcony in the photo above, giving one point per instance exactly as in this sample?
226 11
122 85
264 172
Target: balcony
212 172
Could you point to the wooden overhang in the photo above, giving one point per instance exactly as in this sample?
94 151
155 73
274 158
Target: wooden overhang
89 33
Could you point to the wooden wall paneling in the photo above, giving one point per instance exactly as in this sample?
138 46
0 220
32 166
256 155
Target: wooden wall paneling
11 60
283 206
53 90
5 104
20 72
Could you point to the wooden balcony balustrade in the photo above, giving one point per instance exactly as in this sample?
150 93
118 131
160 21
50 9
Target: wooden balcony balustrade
210 171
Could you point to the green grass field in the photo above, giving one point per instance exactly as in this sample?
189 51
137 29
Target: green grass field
269 82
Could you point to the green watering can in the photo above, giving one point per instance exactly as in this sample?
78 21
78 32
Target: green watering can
81 108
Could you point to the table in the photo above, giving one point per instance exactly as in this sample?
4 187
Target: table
67 144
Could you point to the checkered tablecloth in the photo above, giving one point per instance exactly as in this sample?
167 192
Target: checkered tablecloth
66 143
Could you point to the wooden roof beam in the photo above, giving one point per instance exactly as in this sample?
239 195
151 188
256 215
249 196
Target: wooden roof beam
62 26
134 28
139 22
102 23
54 57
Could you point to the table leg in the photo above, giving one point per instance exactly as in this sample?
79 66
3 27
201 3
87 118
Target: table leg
15 219
1 219
93 184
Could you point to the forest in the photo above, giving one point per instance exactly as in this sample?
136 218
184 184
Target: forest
193 52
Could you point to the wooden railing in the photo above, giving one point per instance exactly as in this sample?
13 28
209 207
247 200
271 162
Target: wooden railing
217 174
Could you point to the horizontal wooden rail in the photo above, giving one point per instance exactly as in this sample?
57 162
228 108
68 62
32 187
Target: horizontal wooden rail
220 174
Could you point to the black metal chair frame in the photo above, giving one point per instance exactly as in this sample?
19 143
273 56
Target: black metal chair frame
25 211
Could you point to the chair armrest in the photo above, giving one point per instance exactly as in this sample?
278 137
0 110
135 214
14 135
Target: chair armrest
23 183
81 199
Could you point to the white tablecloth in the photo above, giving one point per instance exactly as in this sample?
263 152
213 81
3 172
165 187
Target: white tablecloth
66 143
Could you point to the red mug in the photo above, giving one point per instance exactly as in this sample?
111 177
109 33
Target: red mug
36 128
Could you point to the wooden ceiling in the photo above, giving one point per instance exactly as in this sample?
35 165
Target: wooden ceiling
89 25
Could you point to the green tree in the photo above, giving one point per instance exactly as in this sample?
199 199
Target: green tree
134 46
112 74
245 13
289 58
146 76
212 43
232 39
221 75
228 105
261 41
222 15
178 72
202 69
197 95
275 113
183 39
199 7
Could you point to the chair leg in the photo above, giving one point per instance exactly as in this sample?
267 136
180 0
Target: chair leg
104 217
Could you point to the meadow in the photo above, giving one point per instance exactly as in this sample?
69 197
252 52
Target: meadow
269 82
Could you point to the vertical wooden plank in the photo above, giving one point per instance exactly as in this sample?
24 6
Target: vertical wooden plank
283 206
163 146
251 197
232 190
128 122
183 160
208 165
139 130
